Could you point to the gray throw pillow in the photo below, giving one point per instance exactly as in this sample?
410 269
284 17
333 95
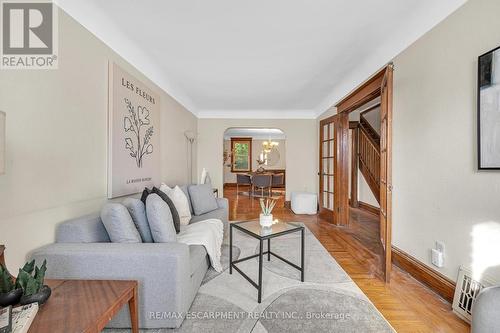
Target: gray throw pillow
184 189
137 211
160 219
171 205
202 198
145 194
119 224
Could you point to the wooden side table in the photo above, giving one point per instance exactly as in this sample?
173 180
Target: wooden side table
83 306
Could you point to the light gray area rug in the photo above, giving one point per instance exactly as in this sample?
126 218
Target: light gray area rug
328 300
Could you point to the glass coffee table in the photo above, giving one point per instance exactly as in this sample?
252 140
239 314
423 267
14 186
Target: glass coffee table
255 230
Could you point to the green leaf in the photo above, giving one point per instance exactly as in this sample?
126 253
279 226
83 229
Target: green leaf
31 284
6 283
40 273
29 266
32 287
22 279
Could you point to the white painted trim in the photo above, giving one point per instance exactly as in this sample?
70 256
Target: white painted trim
260 137
96 22
383 55
257 114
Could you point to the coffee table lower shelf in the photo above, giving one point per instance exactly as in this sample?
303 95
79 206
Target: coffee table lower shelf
258 285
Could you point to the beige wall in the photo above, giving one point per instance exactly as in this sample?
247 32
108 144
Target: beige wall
230 177
301 149
56 140
438 192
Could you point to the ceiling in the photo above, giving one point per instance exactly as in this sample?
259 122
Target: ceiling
258 59
255 133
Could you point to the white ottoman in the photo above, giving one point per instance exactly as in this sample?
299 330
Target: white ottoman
304 203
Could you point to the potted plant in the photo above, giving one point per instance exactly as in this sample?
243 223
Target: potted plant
9 294
266 218
32 284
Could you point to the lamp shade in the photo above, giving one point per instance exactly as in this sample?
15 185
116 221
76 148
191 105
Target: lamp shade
2 142
190 135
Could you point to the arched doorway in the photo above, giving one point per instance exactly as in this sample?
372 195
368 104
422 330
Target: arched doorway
254 165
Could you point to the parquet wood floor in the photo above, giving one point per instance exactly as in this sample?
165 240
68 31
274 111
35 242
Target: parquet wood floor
407 304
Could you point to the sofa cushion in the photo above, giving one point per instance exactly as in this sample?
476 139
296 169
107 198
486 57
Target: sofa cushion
145 194
160 219
202 198
119 224
197 256
219 214
83 229
137 211
171 205
180 201
184 189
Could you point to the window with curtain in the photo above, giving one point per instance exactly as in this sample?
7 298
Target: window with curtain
241 149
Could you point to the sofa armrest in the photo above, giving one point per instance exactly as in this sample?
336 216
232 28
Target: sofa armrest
485 310
223 203
162 270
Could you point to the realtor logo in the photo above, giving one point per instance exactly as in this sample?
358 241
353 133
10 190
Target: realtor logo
29 35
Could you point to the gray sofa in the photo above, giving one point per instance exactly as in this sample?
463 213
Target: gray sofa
169 274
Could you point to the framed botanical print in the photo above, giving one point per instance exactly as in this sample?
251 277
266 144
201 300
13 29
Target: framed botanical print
133 134
488 110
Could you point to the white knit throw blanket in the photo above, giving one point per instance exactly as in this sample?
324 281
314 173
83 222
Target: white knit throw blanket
208 233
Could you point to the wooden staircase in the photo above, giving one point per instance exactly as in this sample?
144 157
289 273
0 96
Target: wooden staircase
369 155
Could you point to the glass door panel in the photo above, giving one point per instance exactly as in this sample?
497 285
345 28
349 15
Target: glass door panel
327 165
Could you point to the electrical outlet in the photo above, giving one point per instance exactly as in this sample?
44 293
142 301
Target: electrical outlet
440 246
437 258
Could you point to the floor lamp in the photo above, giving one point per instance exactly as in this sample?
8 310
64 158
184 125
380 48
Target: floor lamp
191 137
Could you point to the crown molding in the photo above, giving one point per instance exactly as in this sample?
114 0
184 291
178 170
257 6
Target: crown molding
257 114
96 21
98 24
261 137
384 54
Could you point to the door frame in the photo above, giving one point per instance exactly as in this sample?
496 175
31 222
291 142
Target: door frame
366 92
324 212
354 127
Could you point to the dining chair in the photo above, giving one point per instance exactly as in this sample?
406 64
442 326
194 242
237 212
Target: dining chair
243 179
278 180
262 182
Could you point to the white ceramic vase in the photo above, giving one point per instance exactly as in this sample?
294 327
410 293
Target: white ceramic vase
266 220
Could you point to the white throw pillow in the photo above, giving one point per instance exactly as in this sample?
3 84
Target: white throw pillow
180 201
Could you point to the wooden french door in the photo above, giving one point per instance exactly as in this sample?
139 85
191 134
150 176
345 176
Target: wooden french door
386 170
327 157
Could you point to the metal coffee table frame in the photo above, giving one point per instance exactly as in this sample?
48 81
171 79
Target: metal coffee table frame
232 263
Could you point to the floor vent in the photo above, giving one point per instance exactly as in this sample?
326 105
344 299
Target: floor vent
466 292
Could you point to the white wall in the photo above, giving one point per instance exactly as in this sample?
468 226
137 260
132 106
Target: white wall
438 192
301 149
373 118
230 177
57 140
365 194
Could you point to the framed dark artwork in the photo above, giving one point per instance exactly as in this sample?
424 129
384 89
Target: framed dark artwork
488 110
